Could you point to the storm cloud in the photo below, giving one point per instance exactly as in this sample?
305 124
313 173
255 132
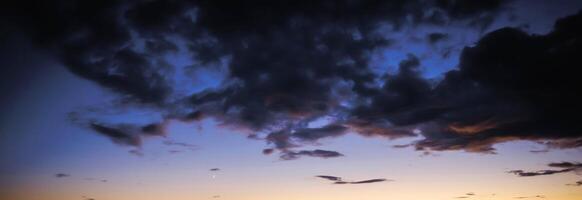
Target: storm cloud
509 86
286 64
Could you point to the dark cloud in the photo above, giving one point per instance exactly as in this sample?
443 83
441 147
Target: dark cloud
62 175
527 197
463 9
436 37
136 152
368 181
538 173
127 134
400 146
509 86
215 169
331 178
268 151
540 151
189 146
118 135
289 63
94 179
90 39
313 134
566 167
339 180
290 138
480 14
318 153
578 183
467 195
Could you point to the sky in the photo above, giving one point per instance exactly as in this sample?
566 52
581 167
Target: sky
287 100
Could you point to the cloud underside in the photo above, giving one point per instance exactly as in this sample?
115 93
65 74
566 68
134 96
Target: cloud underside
340 181
288 64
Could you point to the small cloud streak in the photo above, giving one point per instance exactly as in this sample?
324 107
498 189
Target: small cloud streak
191 147
566 167
318 153
339 181
578 183
62 175
537 196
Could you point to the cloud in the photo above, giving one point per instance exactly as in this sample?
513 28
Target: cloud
189 146
119 135
128 134
436 37
566 167
331 178
527 197
267 151
317 62
62 175
538 173
95 179
340 181
215 169
288 138
496 94
467 195
318 153
369 181
578 183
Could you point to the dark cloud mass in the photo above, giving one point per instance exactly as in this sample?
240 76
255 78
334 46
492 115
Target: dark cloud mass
509 86
331 178
436 37
288 63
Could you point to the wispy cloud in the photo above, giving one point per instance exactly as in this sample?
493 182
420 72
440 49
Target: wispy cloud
566 167
188 146
578 183
528 197
62 175
318 153
340 181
